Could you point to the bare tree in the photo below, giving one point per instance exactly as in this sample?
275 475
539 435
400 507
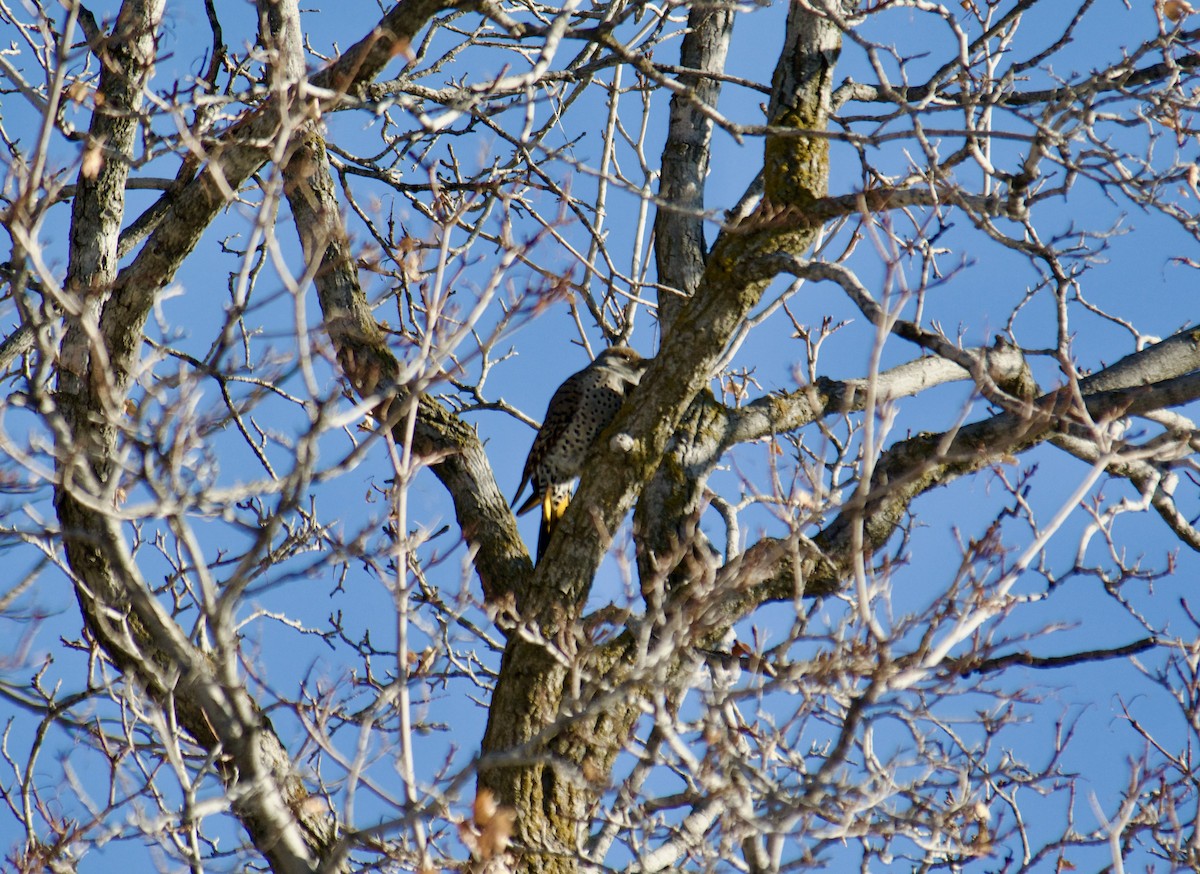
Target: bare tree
313 638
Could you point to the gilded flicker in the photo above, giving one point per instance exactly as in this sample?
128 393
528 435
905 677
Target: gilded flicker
580 409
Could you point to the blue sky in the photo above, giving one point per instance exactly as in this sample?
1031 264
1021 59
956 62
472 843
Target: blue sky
1136 278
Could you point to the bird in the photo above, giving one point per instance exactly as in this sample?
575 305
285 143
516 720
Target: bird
579 410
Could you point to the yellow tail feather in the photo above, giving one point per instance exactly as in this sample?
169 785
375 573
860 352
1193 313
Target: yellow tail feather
552 511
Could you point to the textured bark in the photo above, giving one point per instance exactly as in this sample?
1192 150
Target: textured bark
371 367
231 161
796 176
923 462
680 247
457 455
564 706
107 315
773 567
742 262
137 634
519 766
668 511
529 701
127 60
795 167
739 269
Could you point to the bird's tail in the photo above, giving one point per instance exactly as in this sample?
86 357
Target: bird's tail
554 503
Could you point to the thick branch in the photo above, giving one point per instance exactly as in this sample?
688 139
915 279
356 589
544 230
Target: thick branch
210 700
531 681
1123 79
925 461
738 271
453 448
776 414
238 153
679 247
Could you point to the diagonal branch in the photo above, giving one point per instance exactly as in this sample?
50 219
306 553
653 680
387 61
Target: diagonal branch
923 462
99 355
736 274
529 695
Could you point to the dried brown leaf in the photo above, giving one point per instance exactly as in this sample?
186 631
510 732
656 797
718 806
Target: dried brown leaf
497 835
485 807
93 161
1177 10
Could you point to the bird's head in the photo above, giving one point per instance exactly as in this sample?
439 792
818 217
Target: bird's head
625 361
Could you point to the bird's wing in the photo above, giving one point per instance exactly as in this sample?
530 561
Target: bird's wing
559 413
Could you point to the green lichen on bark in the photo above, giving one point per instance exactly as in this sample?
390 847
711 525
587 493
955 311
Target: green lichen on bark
797 165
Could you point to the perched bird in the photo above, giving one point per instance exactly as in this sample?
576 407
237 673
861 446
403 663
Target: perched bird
580 409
